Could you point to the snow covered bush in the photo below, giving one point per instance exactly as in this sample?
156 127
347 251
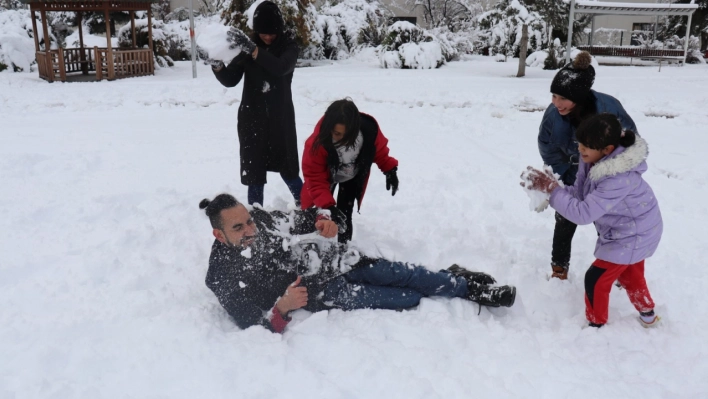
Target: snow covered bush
408 46
675 42
501 28
455 43
343 26
169 41
16 41
374 33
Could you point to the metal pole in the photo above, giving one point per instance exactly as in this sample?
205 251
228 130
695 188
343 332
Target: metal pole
194 44
571 17
688 37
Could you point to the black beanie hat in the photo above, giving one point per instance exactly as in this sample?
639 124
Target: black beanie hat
267 19
575 80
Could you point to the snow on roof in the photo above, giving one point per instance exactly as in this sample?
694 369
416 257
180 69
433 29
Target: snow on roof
603 7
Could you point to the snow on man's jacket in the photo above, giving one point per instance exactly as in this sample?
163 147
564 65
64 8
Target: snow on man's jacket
556 136
249 283
614 196
319 166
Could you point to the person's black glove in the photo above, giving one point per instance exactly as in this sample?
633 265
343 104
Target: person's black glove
392 180
337 216
239 39
215 64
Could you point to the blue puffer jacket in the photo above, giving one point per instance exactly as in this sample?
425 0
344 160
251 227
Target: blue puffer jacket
556 136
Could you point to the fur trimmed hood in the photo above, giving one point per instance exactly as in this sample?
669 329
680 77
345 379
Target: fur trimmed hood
621 161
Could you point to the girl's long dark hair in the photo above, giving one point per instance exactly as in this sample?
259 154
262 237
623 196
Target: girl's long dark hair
604 129
342 111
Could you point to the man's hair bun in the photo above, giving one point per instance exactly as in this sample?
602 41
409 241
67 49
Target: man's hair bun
204 203
582 60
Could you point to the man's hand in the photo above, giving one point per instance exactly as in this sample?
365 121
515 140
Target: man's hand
294 297
540 181
327 228
239 39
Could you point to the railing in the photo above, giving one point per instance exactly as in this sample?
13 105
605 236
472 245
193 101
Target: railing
49 64
126 63
632 52
74 62
55 64
133 63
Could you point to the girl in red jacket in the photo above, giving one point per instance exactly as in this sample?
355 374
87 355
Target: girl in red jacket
340 151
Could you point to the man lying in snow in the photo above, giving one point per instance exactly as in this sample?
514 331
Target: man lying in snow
263 265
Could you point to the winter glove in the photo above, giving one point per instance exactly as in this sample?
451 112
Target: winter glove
215 64
238 39
392 180
337 216
535 179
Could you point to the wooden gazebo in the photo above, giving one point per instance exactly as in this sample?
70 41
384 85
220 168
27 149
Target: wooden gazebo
106 62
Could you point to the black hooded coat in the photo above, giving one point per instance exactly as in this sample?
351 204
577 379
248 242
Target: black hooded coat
266 115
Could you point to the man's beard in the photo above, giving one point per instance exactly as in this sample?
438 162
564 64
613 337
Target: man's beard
240 246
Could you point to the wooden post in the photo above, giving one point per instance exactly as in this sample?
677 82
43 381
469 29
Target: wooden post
99 63
34 28
47 47
152 62
82 54
62 69
109 55
45 32
132 27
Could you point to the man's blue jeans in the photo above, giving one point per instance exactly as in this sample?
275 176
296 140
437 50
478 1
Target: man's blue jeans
390 285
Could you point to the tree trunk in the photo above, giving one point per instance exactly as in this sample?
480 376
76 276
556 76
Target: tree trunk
523 50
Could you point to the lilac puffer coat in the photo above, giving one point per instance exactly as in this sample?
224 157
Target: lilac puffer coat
613 194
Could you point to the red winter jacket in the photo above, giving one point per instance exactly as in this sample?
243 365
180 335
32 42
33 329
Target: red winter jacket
317 167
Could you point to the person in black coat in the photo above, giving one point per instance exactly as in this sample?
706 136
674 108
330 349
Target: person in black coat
263 265
266 116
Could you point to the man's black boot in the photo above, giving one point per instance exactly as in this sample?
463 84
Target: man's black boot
471 277
504 295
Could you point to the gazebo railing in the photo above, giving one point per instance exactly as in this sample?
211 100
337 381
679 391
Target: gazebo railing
126 63
74 63
55 64
49 65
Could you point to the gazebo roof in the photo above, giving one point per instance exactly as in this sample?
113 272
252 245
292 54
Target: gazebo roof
89 5
603 7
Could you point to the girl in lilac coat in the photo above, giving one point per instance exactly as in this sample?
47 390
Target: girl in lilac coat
609 191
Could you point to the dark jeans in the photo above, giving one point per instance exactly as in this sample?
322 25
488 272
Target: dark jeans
562 238
390 285
345 203
255 191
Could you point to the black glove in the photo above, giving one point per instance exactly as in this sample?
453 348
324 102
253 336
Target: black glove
239 39
392 180
215 64
337 216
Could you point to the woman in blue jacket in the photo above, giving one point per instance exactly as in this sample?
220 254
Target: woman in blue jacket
573 101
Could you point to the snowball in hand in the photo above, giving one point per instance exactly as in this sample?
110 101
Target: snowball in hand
212 38
538 199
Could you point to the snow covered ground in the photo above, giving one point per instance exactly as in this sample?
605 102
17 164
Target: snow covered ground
104 251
